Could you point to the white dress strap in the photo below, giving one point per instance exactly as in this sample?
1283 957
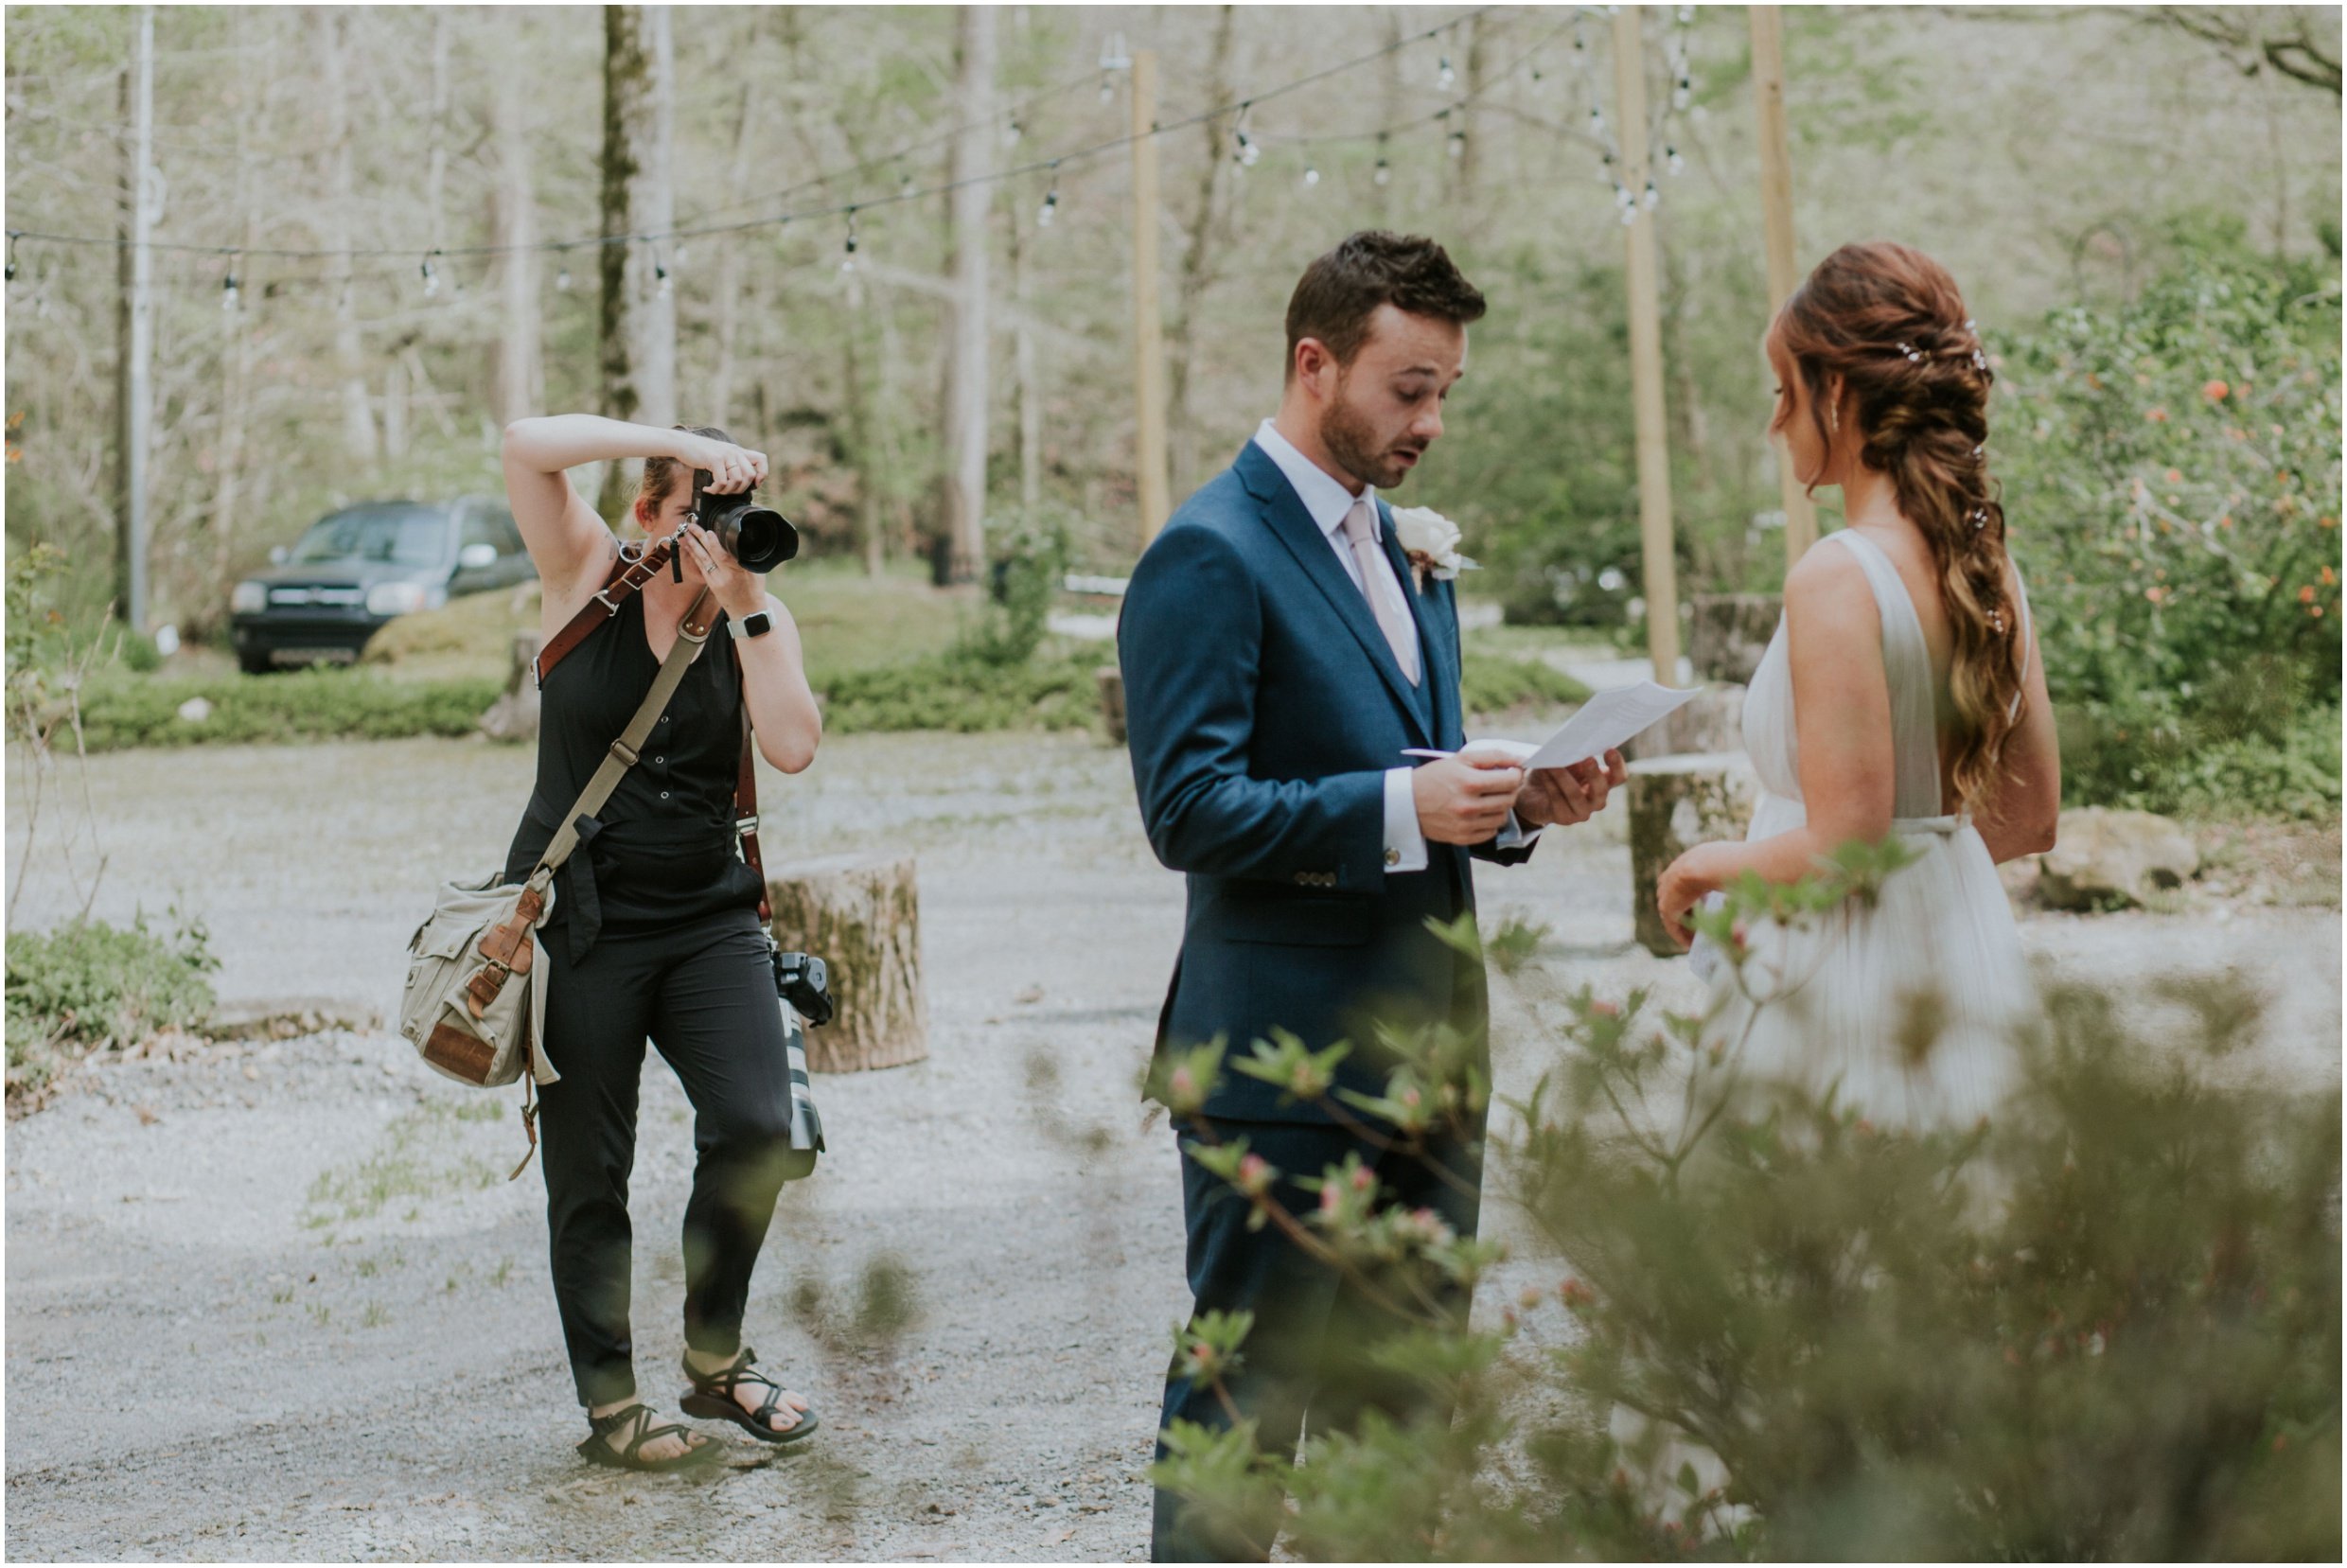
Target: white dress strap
1907 667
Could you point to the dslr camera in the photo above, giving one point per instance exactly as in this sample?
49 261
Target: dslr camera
804 981
758 536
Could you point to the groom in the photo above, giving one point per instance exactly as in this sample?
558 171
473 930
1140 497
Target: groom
1279 654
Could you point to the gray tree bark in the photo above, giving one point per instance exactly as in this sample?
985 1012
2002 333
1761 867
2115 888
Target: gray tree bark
1197 270
730 284
520 363
967 378
639 317
134 395
333 30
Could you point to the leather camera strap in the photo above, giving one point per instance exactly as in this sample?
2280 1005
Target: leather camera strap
627 575
746 809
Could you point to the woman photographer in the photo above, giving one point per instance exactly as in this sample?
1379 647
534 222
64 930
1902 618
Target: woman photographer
654 931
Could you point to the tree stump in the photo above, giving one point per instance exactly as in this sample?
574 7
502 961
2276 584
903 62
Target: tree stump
1112 700
514 715
861 915
1676 804
1710 723
1730 631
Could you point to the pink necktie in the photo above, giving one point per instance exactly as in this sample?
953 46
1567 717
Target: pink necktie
1391 618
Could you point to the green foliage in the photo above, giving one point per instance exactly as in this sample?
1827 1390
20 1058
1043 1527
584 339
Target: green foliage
2105 1325
1493 685
306 705
1031 553
86 985
2171 468
962 690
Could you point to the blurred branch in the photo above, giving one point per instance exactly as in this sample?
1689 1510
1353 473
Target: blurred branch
2253 38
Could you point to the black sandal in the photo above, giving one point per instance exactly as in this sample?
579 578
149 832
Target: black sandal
597 1451
711 1399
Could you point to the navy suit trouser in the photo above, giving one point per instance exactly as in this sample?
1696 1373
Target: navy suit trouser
1307 1357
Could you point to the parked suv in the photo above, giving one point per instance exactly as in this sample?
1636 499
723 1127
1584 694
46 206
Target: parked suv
357 569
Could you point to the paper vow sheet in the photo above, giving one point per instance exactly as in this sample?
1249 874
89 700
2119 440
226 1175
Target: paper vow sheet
1605 721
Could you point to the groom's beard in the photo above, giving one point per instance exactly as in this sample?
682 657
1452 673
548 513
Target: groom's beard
1357 447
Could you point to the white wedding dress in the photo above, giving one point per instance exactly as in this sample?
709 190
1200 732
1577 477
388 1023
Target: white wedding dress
1907 1009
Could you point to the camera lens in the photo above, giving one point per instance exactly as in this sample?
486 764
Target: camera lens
759 537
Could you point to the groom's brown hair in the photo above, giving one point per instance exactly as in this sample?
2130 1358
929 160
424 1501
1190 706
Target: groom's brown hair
1338 292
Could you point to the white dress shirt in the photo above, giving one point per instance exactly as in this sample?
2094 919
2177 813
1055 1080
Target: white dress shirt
1327 502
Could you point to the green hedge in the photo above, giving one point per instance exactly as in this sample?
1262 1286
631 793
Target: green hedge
121 709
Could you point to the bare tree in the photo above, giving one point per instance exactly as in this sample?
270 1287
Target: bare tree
520 372
639 317
332 29
1206 221
2258 38
967 380
730 282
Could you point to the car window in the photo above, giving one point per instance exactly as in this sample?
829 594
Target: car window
402 536
481 528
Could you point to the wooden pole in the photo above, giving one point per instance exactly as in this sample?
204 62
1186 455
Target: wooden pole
1148 321
968 379
1768 96
134 392
1645 353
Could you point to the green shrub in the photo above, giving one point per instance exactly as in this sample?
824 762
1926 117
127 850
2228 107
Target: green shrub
2171 468
2105 1325
120 710
1494 686
1030 552
86 985
963 690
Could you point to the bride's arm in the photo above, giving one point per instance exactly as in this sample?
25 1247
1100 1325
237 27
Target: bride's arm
1842 708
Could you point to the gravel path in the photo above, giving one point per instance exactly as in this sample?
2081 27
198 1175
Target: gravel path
278 1302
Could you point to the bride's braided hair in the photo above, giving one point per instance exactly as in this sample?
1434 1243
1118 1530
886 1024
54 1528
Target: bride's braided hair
1889 321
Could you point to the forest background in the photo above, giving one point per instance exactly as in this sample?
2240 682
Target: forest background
2140 203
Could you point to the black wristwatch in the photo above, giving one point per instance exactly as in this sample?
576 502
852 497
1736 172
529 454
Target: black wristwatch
754 625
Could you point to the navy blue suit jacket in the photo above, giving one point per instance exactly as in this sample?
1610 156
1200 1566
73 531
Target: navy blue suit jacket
1263 708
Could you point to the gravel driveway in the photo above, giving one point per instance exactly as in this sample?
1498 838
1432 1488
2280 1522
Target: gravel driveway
277 1300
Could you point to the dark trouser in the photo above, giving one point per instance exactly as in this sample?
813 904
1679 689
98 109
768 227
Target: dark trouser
704 991
1307 1355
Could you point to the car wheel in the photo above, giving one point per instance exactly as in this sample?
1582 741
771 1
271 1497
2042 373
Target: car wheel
254 661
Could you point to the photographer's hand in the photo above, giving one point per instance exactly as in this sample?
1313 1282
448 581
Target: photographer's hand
738 592
732 469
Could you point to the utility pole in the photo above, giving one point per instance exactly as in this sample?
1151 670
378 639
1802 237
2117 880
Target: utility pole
1645 353
1768 97
134 392
1148 321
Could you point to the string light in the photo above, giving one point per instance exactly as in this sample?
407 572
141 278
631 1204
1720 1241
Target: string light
1458 143
660 272
1384 173
1444 76
1114 56
1312 176
562 279
1050 201
1245 151
1653 198
847 257
1012 132
11 268
1672 161
231 291
432 278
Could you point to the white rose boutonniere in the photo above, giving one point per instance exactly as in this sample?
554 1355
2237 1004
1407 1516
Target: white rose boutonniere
1431 543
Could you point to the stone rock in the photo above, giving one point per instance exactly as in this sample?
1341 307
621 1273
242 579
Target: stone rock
514 715
1677 802
1730 633
1711 724
194 710
2102 858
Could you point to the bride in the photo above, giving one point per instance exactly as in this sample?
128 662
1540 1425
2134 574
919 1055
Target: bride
1901 695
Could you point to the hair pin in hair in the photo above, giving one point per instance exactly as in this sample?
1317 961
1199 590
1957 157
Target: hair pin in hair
1980 360
1996 621
1980 519
1970 325
1978 451
1909 350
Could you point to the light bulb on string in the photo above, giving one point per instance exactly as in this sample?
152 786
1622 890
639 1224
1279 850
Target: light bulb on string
1653 198
847 255
1051 202
1444 76
562 277
11 268
1245 150
1687 16
432 278
231 291
1384 172
1458 143
1672 161
659 274
1683 94
1312 176
1013 132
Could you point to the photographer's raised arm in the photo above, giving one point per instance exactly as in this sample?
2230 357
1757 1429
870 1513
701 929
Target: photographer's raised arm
566 539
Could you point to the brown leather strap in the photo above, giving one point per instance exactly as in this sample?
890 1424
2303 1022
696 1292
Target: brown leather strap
627 575
746 803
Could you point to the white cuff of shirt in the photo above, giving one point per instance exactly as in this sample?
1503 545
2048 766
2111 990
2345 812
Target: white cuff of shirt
1405 846
1515 836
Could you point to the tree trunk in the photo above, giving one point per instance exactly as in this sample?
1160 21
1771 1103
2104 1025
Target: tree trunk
967 381
436 162
520 363
729 268
1470 141
1676 804
1023 360
235 348
639 317
861 915
342 198
395 409
1394 104
1197 272
134 392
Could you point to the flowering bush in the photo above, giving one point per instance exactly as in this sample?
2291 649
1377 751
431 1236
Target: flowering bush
2106 1326
2171 468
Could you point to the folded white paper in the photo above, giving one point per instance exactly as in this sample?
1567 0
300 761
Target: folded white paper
1606 721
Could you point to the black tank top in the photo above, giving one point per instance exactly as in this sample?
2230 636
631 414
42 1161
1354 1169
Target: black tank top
662 849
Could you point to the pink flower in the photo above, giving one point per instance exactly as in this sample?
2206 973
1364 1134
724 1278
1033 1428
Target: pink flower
1605 1010
2214 391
